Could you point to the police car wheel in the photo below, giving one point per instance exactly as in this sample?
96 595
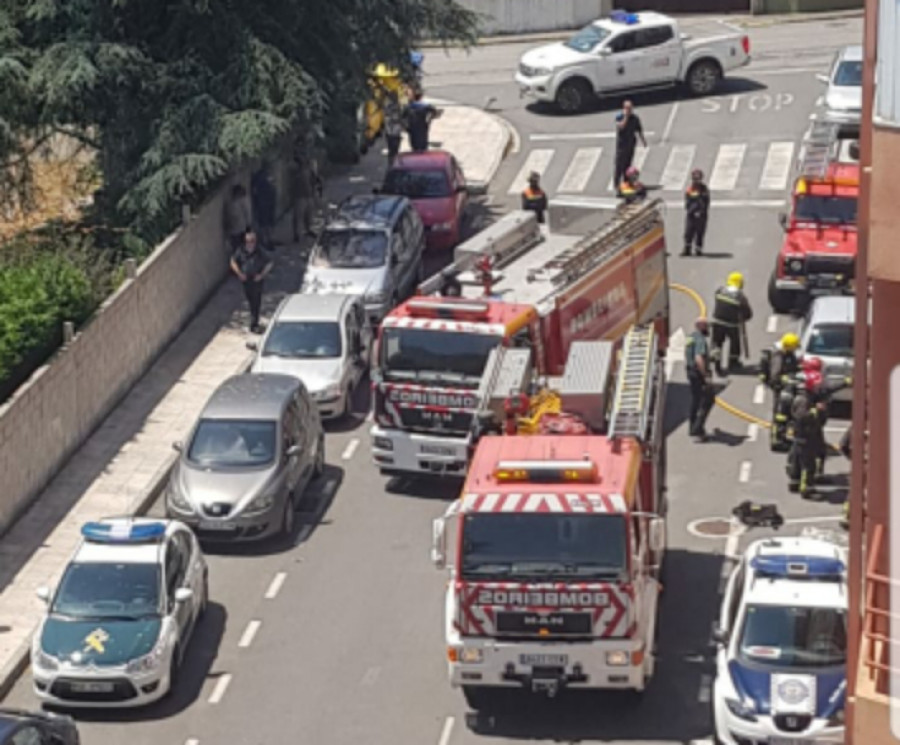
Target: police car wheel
572 96
703 77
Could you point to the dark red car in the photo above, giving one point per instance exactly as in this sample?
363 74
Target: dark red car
434 183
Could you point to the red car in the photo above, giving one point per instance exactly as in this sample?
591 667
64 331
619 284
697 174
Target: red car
434 183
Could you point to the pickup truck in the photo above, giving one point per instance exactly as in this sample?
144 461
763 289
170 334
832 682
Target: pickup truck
628 52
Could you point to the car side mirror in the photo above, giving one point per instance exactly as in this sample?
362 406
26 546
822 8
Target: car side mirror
439 543
178 446
44 594
720 635
783 220
183 594
604 51
822 78
252 346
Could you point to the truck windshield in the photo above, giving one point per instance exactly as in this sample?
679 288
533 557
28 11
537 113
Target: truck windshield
441 356
586 39
543 546
825 209
417 184
785 636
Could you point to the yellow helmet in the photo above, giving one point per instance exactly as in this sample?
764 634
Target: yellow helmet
790 342
736 279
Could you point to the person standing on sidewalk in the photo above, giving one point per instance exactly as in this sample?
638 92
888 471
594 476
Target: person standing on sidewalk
628 131
305 196
418 117
251 265
393 126
696 206
699 376
238 216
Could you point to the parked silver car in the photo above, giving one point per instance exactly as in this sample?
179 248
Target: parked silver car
827 333
843 98
256 446
325 341
372 247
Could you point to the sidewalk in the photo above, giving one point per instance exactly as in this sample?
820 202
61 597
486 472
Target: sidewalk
122 468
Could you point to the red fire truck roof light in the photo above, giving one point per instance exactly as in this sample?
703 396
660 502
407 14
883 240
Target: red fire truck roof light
547 472
448 309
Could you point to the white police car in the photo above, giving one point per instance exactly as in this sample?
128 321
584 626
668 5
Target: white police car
117 627
782 636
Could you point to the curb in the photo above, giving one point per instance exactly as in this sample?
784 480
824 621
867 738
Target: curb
479 188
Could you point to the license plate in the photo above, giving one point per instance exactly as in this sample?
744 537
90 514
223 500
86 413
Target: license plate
92 687
544 660
216 525
436 450
787 741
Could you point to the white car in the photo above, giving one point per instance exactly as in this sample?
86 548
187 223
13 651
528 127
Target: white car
843 98
325 341
827 333
628 52
117 627
781 673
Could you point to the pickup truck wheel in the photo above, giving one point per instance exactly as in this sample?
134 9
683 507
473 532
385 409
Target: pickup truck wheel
703 77
477 697
573 96
781 301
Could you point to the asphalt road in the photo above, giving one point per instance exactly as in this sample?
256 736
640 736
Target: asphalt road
336 638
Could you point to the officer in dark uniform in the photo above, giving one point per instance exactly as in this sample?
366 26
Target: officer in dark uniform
534 198
696 205
450 284
776 370
699 376
730 313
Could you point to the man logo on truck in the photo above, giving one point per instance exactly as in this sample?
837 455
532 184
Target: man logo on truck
543 599
447 399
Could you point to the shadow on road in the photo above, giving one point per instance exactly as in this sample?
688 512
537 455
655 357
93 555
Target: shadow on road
435 487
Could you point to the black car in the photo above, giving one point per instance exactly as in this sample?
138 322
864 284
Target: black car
29 728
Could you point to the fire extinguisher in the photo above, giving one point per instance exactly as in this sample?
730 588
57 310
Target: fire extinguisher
485 267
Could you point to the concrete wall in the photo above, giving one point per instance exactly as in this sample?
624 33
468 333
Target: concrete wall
802 6
525 16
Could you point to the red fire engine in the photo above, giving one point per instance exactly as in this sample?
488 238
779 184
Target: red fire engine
556 545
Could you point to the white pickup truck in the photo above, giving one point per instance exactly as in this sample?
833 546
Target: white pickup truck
628 52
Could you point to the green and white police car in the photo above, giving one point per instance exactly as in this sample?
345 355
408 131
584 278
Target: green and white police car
117 626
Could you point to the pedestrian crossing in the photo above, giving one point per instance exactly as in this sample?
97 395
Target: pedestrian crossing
739 167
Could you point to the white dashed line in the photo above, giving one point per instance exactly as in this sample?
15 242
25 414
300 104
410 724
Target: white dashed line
350 449
759 394
192 741
446 731
275 586
744 475
250 632
370 416
772 325
752 432
219 691
820 100
671 120
705 690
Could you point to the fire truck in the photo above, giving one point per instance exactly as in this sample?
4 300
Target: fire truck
556 545
818 254
519 288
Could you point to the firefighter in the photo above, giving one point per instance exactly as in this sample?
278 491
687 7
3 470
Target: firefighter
730 315
808 412
534 198
696 205
699 376
777 368
631 189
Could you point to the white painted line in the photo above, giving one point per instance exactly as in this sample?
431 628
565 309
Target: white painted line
640 156
759 394
537 161
752 432
221 686
744 475
350 449
580 169
727 167
447 730
192 741
704 693
820 100
669 122
677 166
772 325
275 586
356 179
247 637
830 519
812 117
777 169
542 137
609 203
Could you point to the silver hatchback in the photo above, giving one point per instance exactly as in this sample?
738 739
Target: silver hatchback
256 446
843 98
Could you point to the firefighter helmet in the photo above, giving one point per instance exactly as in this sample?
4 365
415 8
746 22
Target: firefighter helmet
812 364
736 279
790 342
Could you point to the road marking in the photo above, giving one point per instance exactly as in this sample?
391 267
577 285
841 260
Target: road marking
370 416
677 166
705 690
640 156
772 325
812 117
669 122
731 546
247 637
371 676
350 449
447 730
537 161
727 167
829 519
610 203
777 169
275 586
356 179
819 101
744 475
580 169
752 432
192 741
221 686
759 394
546 137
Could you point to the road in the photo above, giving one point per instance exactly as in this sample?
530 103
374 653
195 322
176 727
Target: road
336 638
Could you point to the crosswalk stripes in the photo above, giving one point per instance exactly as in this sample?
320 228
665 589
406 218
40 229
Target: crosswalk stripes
640 157
727 167
778 166
675 173
538 161
578 174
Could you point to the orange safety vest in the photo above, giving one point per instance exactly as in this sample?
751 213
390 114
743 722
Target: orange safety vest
531 194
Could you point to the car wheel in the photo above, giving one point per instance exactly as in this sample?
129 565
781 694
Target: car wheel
204 598
781 301
288 517
319 467
345 406
703 77
573 96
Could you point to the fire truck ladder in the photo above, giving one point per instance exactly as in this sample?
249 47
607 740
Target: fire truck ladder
818 149
634 385
627 223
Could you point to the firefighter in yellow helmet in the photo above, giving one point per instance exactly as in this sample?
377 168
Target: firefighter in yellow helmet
777 369
731 311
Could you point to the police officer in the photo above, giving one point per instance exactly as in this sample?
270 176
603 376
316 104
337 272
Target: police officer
730 314
777 368
696 205
534 199
631 189
699 376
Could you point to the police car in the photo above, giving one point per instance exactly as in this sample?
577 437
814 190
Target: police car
782 646
117 627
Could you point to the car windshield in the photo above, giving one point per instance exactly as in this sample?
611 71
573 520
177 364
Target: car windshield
825 209
351 249
586 39
108 590
417 184
232 443
794 636
423 355
295 340
543 546
831 340
849 74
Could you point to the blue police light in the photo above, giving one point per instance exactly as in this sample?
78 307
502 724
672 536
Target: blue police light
123 532
621 16
793 567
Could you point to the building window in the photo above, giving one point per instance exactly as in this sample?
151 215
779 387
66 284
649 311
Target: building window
887 69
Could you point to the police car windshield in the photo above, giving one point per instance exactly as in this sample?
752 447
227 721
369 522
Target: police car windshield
849 74
232 443
99 590
825 209
417 184
831 340
351 249
435 356
303 340
543 546
783 636
586 39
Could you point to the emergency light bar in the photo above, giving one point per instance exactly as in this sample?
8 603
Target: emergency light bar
805 182
795 567
621 16
123 531
546 472
449 309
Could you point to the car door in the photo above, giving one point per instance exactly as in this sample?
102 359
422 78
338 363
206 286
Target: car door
661 54
352 366
293 435
415 240
624 63
194 574
176 566
396 270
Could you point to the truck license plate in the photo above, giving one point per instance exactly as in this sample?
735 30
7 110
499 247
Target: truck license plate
92 687
544 660
436 450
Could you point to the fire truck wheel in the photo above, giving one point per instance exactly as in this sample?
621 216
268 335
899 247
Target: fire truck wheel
781 301
477 697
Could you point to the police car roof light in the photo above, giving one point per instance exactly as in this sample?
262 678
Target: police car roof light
622 16
793 567
123 532
448 309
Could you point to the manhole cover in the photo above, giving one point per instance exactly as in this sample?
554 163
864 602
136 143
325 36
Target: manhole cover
714 527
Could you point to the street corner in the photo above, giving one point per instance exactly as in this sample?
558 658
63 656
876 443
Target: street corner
479 139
